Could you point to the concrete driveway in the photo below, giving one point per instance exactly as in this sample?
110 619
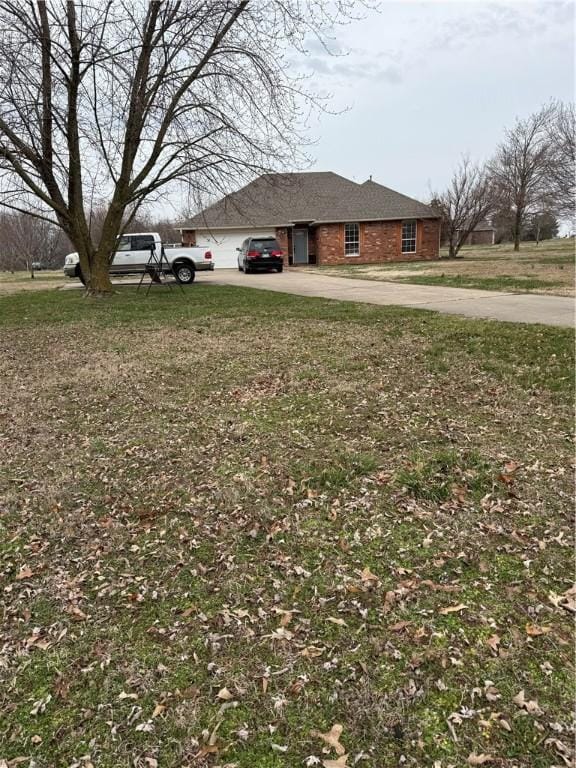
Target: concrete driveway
490 305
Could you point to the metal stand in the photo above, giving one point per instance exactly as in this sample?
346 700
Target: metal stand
156 269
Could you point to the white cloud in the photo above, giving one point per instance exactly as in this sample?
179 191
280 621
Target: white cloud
426 81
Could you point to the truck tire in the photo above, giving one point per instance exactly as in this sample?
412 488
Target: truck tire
80 276
184 272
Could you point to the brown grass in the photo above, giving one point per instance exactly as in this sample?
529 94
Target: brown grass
551 261
280 497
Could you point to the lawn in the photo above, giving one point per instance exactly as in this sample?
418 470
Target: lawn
242 528
545 268
13 282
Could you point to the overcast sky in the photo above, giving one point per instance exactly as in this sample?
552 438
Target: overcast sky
425 82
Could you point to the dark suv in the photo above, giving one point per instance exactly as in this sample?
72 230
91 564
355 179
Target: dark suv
260 253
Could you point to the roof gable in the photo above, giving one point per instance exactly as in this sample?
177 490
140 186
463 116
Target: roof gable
282 199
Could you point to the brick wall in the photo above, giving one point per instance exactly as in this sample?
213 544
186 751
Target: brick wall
379 241
284 241
188 237
428 242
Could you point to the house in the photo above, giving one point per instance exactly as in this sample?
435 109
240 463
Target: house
482 234
318 218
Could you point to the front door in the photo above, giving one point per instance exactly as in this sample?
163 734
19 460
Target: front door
300 246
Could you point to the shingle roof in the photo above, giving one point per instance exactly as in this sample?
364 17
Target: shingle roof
281 199
483 226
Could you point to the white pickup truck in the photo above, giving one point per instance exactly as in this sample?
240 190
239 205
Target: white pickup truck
133 254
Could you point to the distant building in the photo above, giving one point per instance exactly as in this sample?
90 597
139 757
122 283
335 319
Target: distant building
482 234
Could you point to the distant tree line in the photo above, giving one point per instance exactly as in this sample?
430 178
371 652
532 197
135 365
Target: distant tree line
523 190
27 241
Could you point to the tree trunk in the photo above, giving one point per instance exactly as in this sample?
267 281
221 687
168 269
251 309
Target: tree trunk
517 228
98 283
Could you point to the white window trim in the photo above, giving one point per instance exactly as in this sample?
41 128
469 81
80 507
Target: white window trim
402 238
351 255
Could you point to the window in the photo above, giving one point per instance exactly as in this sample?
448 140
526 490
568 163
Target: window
351 240
408 237
123 244
142 242
261 243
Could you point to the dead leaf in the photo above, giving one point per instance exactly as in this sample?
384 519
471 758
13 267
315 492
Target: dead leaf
399 626
224 694
206 749
339 763
339 622
24 573
506 479
493 642
62 688
491 692
534 630
368 576
296 687
389 600
286 619
332 738
474 759
453 609
76 613
530 706
214 735
312 651
566 600
158 709
123 695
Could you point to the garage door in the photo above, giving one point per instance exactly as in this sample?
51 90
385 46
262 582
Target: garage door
223 244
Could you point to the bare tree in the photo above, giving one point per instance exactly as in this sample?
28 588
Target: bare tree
521 168
542 225
166 228
26 241
121 98
562 170
466 202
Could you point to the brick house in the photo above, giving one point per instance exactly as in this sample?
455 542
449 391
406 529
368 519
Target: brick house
318 218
